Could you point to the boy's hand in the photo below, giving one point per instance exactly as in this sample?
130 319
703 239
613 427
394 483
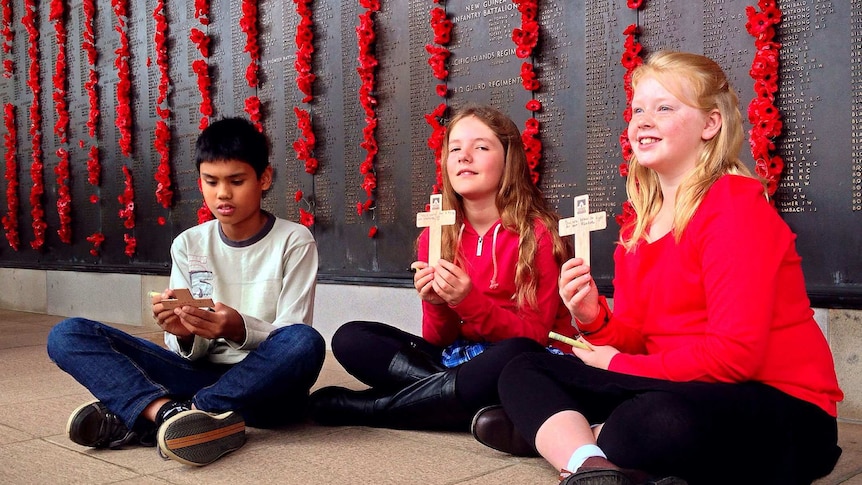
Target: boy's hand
422 279
167 319
222 322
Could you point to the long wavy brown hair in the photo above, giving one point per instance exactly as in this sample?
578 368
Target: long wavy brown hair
709 89
518 200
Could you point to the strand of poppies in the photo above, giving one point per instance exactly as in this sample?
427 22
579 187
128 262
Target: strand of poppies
127 213
8 37
526 37
248 24
56 16
162 138
764 116
36 167
200 66
441 25
94 166
10 220
201 70
367 64
306 141
88 43
631 58
123 121
124 80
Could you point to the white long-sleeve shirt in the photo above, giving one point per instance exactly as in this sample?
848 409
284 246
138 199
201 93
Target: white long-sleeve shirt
269 279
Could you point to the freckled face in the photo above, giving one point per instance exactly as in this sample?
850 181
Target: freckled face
475 160
667 135
232 192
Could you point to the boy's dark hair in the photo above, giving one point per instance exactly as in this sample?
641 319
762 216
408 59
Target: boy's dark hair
233 139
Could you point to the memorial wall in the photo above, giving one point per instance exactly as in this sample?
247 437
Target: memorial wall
77 225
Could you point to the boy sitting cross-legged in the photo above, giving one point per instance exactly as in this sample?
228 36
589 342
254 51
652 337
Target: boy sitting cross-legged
250 359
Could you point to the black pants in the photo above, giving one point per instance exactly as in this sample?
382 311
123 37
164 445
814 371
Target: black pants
365 350
704 432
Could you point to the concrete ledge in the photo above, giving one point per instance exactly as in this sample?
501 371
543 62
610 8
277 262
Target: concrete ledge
123 299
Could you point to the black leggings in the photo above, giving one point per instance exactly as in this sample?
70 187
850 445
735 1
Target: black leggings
703 432
365 350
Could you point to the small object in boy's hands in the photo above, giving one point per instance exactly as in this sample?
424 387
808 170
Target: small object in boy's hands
183 297
569 341
414 266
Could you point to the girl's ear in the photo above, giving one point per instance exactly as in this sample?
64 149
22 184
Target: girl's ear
266 178
712 126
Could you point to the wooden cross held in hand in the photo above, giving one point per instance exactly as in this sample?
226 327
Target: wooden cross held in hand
581 225
434 219
183 297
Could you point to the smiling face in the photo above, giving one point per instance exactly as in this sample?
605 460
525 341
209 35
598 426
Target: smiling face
232 192
475 161
667 134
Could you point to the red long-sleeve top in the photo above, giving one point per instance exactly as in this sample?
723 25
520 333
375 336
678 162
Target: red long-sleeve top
725 304
489 312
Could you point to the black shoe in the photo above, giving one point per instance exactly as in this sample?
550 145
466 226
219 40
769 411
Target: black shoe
492 427
199 438
91 424
666 481
598 471
170 409
410 365
428 404
340 406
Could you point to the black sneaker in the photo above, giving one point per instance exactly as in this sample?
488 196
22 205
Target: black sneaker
91 424
199 438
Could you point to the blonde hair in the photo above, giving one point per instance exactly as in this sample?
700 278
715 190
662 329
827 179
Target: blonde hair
708 90
518 200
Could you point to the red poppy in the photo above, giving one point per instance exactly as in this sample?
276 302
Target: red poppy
201 40
306 218
131 244
96 239
204 213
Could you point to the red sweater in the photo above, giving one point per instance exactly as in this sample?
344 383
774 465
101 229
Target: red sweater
489 313
725 304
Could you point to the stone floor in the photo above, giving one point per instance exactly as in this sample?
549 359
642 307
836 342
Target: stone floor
36 399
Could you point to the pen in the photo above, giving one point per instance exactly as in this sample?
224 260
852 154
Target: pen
569 340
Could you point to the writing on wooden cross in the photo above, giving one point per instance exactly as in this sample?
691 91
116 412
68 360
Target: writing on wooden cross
434 220
581 225
183 297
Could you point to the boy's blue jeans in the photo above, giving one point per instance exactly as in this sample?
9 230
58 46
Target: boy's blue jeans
269 387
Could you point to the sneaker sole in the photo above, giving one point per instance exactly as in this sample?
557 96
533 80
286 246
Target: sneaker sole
73 416
198 438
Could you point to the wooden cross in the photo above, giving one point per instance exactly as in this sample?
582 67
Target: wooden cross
581 225
183 297
434 219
